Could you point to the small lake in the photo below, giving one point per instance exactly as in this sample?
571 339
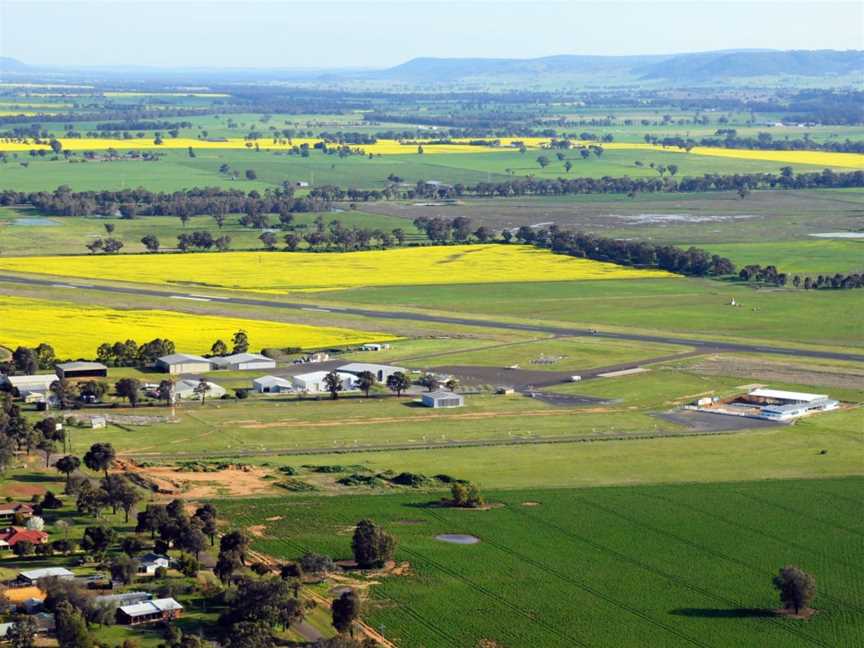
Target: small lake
35 222
457 538
841 235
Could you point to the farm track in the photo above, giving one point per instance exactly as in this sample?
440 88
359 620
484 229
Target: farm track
673 578
707 346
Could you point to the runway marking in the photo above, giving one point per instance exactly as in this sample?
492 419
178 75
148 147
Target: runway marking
190 298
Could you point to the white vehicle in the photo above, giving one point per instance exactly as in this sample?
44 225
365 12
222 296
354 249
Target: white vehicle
575 378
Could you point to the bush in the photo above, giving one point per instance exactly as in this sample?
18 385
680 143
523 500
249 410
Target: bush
413 480
241 393
288 470
355 479
317 563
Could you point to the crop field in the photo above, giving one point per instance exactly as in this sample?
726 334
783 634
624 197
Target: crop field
281 272
76 330
815 256
568 572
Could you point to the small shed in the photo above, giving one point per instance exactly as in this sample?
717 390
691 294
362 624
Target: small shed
183 363
272 385
441 399
164 609
81 370
244 362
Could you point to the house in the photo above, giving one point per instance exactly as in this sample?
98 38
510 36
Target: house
164 609
150 562
441 399
81 370
10 536
186 390
375 346
32 576
381 372
183 363
10 510
313 382
244 362
272 385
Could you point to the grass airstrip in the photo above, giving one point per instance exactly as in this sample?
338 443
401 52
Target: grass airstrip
279 272
75 331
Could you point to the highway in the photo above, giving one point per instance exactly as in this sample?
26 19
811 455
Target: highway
708 346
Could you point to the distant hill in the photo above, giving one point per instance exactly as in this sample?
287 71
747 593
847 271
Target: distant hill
701 67
11 64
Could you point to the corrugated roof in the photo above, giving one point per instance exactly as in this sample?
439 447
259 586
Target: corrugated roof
46 572
81 366
357 367
779 394
179 358
151 607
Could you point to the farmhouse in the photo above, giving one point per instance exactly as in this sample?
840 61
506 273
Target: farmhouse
441 399
183 363
32 576
10 510
150 562
381 372
10 536
185 389
244 362
164 609
313 382
81 370
272 385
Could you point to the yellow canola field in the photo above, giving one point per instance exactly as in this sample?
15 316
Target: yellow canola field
75 330
279 272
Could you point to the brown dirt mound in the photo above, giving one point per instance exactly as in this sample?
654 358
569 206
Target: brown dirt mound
530 503
257 530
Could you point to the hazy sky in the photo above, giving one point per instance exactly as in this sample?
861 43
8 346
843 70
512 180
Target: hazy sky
358 33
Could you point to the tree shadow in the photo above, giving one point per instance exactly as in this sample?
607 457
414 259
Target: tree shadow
724 613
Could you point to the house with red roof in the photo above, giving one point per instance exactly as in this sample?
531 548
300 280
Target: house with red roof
10 536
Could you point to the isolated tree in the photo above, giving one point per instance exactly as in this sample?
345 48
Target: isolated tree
67 465
100 456
543 161
568 165
25 360
240 342
130 389
150 242
201 389
796 587
47 446
429 381
398 382
365 381
371 545
70 627
97 539
345 609
219 348
188 565
333 384
235 541
165 391
251 175
123 569
269 239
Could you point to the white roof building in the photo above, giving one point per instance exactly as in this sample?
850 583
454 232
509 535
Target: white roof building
380 371
29 384
244 362
185 389
313 382
272 385
441 399
179 363
790 396
33 575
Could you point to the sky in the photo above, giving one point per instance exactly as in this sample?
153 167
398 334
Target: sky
360 33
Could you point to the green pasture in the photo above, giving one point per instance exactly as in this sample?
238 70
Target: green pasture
811 257
568 571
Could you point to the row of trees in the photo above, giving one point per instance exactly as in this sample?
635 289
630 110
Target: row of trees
770 274
729 138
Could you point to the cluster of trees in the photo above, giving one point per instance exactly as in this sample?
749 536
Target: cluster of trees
172 528
27 360
199 240
465 495
18 433
770 274
459 229
729 138
130 354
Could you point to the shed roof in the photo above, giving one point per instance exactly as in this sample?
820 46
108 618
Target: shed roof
243 357
81 366
780 394
180 358
357 367
272 380
443 394
46 572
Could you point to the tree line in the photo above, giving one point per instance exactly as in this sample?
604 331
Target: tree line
729 138
769 274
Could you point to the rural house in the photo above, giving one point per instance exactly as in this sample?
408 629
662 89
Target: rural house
244 362
441 399
150 562
186 390
164 609
381 372
10 536
10 510
313 382
272 385
183 363
81 370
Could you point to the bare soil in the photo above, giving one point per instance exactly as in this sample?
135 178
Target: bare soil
232 482
769 372
803 615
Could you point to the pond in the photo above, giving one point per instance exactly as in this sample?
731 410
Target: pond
457 538
35 222
843 235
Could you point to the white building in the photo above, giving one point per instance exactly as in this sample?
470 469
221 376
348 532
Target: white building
780 405
375 346
32 576
183 363
186 390
313 382
150 562
442 399
244 362
380 371
272 385
33 389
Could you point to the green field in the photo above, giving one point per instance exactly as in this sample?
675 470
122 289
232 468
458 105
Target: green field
570 572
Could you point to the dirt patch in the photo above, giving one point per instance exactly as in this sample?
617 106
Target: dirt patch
257 530
530 503
803 615
274 518
232 482
22 491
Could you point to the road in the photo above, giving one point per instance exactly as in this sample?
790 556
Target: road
707 346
